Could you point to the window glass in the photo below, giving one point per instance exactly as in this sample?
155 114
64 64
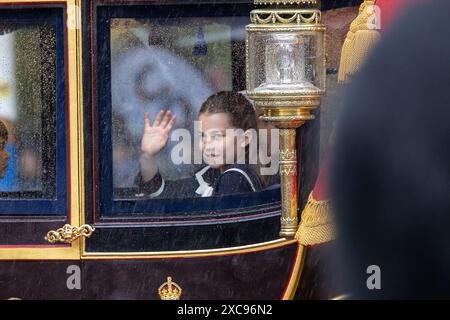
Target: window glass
27 108
32 111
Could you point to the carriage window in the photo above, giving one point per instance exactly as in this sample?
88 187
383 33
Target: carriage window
163 60
162 64
31 62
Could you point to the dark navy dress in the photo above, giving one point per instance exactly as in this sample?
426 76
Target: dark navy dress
205 182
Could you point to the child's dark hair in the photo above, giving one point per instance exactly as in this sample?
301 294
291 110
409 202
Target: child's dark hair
3 131
241 112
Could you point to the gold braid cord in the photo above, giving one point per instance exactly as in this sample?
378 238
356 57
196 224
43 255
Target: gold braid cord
316 225
359 42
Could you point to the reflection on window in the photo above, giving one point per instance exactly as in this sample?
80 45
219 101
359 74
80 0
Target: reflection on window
28 108
159 64
156 64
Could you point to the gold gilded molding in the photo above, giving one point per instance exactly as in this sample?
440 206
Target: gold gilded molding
279 243
288 226
68 233
288 170
285 27
295 279
288 175
342 297
170 290
288 220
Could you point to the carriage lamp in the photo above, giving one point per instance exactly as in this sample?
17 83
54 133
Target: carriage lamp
285 70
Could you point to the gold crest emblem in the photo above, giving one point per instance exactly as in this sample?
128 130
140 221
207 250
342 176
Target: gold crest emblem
169 290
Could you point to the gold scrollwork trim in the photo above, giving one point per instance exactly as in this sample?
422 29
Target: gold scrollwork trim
288 155
288 119
294 101
278 27
289 220
288 170
286 107
288 16
68 233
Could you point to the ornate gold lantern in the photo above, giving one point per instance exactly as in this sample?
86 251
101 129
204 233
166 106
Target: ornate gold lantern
286 79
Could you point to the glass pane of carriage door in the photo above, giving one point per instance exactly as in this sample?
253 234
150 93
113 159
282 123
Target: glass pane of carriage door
27 110
171 63
33 129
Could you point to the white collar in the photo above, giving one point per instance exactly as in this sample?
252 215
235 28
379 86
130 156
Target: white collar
204 189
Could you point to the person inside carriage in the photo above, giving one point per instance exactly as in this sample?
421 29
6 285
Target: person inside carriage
4 154
226 170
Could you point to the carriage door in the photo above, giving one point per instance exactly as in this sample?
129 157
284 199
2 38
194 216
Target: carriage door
39 161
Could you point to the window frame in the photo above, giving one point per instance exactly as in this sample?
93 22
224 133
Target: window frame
58 205
117 235
153 210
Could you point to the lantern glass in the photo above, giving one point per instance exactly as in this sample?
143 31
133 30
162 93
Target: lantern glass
286 61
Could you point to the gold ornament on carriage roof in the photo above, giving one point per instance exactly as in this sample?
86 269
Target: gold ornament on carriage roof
169 290
285 69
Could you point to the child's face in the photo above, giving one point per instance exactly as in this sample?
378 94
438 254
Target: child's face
4 157
216 141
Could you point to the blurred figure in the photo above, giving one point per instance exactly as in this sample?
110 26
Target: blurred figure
391 166
30 169
4 154
351 46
